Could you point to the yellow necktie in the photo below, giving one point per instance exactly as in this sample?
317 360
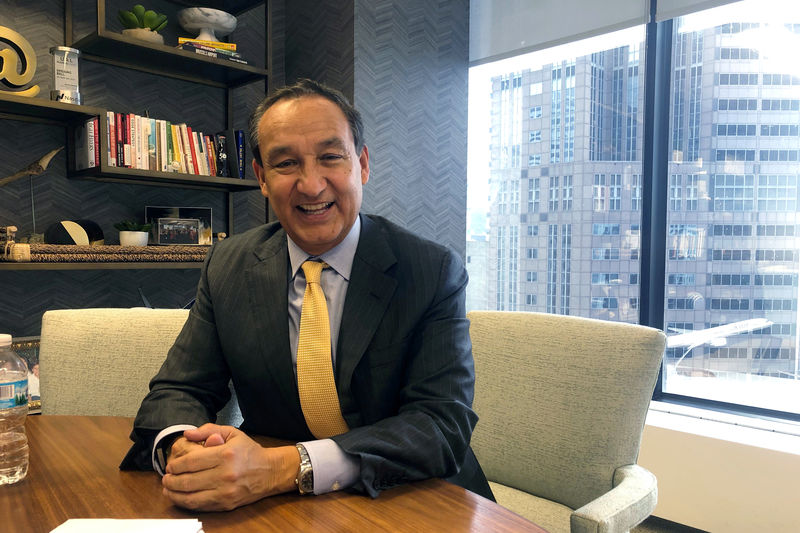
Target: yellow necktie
315 381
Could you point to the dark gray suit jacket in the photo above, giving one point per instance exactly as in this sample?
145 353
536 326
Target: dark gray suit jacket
404 370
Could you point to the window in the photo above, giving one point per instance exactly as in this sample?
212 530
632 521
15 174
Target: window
599 192
533 195
566 195
728 201
553 203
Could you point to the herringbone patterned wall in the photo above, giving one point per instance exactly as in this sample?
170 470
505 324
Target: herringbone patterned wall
404 64
28 294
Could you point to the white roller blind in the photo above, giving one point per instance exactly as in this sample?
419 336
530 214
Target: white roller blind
668 9
502 28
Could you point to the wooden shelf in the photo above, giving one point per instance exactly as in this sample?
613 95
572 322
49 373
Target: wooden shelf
133 176
119 50
133 265
42 110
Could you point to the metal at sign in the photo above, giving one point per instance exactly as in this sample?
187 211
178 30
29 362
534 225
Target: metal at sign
17 63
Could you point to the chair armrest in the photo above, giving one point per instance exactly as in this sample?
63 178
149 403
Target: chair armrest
631 500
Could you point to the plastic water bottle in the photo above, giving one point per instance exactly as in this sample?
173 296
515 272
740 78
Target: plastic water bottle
13 409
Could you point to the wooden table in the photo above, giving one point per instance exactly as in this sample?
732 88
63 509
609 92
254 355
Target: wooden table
74 473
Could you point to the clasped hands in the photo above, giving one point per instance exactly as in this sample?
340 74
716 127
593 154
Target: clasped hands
219 468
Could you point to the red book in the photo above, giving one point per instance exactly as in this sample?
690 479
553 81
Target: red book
194 151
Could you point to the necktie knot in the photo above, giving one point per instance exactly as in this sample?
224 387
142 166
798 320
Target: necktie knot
313 270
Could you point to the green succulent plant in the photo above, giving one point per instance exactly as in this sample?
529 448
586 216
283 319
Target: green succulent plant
130 225
138 17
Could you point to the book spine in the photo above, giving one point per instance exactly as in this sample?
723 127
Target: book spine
177 148
218 55
95 156
163 151
152 157
239 134
187 149
193 150
195 47
130 144
221 145
111 139
215 44
200 150
120 124
211 155
141 140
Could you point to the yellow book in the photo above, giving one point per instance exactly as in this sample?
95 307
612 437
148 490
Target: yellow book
177 151
214 44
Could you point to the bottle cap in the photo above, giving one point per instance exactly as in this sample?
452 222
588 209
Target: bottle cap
5 340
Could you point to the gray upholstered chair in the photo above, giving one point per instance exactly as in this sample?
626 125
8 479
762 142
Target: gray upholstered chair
100 361
562 402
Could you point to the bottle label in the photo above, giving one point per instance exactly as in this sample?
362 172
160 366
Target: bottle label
14 394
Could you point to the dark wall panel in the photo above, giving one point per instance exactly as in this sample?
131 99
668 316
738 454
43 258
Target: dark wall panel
404 64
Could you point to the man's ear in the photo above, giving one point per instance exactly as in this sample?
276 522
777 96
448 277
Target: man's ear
262 178
364 160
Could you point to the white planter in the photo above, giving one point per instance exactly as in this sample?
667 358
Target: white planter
133 238
144 34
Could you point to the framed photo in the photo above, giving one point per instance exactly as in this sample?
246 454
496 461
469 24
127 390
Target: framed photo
178 231
28 349
202 214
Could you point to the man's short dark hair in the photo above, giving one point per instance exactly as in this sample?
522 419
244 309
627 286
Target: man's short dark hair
306 87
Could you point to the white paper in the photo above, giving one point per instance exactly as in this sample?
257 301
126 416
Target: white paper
104 525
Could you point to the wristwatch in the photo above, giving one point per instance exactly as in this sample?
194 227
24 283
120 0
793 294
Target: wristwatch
305 476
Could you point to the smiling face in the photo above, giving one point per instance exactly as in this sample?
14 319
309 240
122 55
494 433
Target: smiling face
311 172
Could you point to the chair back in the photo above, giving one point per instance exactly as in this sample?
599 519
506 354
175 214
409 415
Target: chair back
100 361
561 400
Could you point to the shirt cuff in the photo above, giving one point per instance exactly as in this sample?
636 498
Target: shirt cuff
333 469
158 455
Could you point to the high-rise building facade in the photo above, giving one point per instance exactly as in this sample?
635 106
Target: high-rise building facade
566 196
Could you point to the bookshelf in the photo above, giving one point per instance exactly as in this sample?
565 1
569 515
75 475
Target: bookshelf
106 47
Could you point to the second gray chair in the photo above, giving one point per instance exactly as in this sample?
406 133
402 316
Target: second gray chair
562 402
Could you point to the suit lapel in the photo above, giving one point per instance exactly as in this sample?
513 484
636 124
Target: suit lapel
368 296
268 279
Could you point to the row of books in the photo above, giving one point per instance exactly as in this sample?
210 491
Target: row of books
215 49
144 143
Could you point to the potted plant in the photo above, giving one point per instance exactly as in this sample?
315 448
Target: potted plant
143 24
132 233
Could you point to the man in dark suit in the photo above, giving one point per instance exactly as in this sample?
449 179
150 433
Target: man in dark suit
400 349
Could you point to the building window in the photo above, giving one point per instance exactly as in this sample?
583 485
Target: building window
535 112
733 192
553 203
533 195
636 192
599 192
566 194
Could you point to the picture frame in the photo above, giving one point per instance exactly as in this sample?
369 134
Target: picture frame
178 231
28 349
203 214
